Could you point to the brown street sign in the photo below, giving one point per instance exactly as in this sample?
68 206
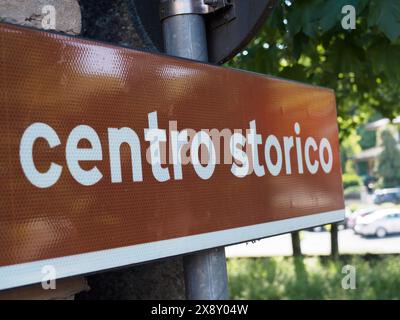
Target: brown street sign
111 157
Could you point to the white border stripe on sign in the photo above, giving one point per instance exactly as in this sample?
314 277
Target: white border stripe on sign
30 272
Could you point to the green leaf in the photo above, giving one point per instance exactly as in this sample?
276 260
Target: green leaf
300 45
296 72
385 59
344 56
361 65
331 13
303 16
385 14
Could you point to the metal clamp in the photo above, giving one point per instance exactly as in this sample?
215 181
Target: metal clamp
170 8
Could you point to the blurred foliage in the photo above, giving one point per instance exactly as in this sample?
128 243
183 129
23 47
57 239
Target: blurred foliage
377 277
351 180
352 192
348 149
303 40
354 206
389 161
368 137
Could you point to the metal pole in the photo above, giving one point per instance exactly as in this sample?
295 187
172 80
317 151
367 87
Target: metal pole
185 36
205 272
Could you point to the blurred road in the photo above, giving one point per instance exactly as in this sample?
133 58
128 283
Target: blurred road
315 243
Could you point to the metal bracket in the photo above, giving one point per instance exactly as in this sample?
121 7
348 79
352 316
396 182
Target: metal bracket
170 8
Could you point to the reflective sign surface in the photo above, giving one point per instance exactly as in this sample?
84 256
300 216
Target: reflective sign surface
98 171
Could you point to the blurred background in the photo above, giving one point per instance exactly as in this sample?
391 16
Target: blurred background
308 41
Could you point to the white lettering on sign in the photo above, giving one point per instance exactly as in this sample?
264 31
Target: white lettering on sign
74 155
34 132
312 167
277 153
116 137
154 135
254 140
272 142
239 155
201 138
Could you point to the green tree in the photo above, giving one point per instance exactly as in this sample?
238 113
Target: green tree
389 161
368 137
303 40
348 149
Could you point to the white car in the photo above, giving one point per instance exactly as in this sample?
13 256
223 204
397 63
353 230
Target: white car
380 223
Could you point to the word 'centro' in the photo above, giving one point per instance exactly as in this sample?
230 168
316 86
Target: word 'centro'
315 154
